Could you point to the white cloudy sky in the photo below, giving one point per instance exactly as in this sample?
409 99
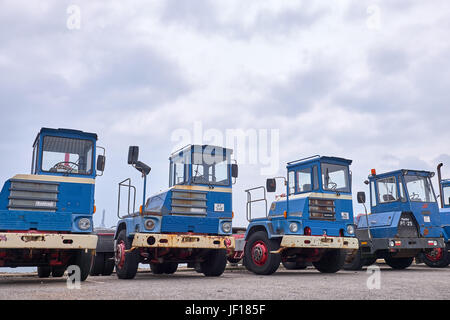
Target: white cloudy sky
332 80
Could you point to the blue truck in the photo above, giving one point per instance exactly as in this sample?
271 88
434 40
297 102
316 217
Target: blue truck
404 221
189 223
440 257
311 223
46 216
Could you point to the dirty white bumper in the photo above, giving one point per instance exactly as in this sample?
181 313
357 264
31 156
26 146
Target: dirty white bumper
47 241
319 242
145 240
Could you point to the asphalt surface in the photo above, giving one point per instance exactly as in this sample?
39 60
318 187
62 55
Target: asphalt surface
417 282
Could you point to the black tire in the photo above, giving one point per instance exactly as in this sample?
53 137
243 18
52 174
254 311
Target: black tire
157 268
215 263
44 272
370 261
437 262
84 261
58 272
356 264
128 268
233 261
294 265
170 267
108 265
269 262
399 263
332 261
97 267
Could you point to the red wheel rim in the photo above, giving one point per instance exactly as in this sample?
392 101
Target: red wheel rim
435 254
260 253
120 254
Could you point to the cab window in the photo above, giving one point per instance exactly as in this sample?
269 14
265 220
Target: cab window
447 195
304 180
291 182
387 190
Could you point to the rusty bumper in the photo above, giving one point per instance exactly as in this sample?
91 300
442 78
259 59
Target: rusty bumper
143 240
318 242
47 241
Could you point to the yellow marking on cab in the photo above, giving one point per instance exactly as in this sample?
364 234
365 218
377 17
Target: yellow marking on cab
45 178
201 188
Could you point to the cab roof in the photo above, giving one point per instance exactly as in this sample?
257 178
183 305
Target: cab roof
318 158
403 172
198 147
64 132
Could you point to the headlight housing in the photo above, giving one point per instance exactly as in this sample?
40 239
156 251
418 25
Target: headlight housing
293 227
350 229
84 224
226 227
149 224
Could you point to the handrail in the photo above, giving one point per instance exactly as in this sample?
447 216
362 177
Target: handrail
250 201
129 186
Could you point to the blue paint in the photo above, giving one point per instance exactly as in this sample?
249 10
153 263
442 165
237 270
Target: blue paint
296 202
74 200
175 209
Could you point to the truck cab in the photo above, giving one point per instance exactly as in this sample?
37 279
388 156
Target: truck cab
311 222
46 216
404 219
190 222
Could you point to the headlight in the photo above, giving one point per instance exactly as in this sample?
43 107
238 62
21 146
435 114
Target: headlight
84 224
392 243
293 227
226 227
350 229
149 224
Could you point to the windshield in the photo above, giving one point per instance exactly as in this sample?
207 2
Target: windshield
387 190
335 177
419 189
446 195
210 170
65 155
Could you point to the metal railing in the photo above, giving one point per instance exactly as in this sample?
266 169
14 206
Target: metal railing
250 201
130 188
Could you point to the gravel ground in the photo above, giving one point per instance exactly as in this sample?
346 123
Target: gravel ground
417 282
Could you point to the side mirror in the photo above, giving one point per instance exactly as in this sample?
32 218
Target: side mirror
361 197
101 163
271 185
234 170
133 155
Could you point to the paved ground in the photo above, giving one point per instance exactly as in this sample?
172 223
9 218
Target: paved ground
418 282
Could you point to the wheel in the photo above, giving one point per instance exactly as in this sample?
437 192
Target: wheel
44 272
257 256
357 263
437 258
332 261
157 268
399 263
294 265
215 263
84 261
97 267
167 267
58 272
233 261
127 263
170 267
370 261
108 265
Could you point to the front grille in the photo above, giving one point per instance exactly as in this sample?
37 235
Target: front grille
33 196
187 202
322 209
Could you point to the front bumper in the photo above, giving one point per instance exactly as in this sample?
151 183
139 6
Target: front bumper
47 241
145 240
368 246
319 242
